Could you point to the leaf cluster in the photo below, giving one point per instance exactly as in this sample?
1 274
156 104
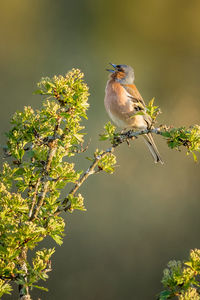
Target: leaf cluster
152 110
109 133
182 279
189 138
39 145
106 162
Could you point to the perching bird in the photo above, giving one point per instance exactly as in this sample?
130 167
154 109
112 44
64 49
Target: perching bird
123 102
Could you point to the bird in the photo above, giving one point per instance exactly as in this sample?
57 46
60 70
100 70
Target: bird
126 107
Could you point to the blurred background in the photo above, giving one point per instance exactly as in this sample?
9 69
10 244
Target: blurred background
144 214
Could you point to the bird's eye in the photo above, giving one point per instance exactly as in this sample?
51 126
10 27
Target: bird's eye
119 68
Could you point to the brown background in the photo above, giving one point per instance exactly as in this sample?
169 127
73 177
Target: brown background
145 214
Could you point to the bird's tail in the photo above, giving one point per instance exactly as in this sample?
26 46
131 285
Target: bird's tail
152 147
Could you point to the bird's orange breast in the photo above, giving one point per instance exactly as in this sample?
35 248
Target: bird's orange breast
116 103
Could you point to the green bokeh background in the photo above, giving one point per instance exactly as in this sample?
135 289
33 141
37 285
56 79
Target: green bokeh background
145 214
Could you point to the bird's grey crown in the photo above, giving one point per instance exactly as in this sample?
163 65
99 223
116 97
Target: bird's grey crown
129 74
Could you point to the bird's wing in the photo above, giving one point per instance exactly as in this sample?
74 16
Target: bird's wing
138 102
134 95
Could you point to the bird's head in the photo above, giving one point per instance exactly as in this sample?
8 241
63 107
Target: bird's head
122 73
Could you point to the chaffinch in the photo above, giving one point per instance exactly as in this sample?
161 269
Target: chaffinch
123 102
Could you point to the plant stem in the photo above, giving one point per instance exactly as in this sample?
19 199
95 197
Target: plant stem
23 288
52 149
88 172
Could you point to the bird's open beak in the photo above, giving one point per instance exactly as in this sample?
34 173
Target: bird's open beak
110 70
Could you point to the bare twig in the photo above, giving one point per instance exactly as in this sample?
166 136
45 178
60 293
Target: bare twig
129 135
23 288
88 172
34 197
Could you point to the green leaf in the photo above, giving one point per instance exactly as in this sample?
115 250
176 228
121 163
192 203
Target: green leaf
38 92
109 133
165 295
151 102
40 287
194 156
19 171
57 239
